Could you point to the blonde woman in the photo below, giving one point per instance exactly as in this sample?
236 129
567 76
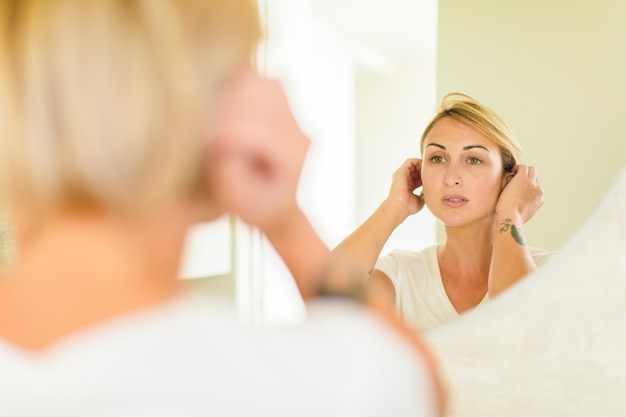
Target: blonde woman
473 182
122 123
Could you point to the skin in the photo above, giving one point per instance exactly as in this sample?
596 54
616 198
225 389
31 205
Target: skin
462 175
465 186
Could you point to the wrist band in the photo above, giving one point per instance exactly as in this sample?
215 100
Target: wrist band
340 281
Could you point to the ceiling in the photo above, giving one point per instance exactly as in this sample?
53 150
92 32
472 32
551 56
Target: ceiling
396 28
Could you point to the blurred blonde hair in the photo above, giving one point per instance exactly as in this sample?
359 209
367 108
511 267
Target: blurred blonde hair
103 103
472 113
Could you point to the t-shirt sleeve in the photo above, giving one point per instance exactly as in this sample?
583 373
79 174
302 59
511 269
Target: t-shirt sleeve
540 256
388 265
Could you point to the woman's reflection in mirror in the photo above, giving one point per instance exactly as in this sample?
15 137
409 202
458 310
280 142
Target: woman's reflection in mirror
473 181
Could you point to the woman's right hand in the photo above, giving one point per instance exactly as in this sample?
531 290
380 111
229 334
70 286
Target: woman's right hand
257 153
405 181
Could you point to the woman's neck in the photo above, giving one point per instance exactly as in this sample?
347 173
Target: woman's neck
77 270
467 249
464 261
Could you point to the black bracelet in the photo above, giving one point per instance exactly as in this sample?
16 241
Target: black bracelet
357 288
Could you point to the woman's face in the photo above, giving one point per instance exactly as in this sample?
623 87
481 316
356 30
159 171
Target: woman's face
462 173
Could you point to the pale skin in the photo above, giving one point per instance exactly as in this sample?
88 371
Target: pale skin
483 209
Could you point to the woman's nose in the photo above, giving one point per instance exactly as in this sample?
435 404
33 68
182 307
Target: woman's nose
453 175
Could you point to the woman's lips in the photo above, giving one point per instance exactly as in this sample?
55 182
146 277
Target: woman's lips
454 201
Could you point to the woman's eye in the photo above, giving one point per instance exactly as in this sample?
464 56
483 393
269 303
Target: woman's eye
437 159
474 161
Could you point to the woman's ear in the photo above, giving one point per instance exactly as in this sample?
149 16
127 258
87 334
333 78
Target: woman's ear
507 177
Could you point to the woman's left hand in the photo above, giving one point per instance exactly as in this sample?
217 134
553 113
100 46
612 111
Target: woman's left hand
522 194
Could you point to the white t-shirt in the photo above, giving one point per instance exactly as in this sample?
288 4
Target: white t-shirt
421 298
190 357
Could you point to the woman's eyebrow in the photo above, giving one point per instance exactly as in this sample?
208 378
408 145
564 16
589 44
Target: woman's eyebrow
465 148
437 145
468 147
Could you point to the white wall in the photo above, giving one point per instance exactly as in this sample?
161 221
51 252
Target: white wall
393 109
555 71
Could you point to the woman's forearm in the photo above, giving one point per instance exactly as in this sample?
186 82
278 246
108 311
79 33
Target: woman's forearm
511 260
364 245
302 250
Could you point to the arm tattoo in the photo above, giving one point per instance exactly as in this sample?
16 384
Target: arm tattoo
507 225
517 235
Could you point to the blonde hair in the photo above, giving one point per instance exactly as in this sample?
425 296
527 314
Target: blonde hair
103 102
472 113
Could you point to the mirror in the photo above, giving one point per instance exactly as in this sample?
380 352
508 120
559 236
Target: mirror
555 72
365 77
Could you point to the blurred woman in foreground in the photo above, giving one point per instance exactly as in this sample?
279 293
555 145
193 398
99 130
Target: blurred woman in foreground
123 122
